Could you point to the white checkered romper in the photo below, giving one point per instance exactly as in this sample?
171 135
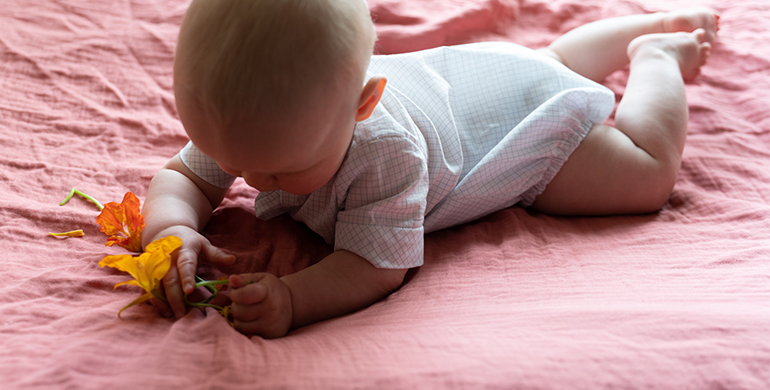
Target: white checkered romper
459 133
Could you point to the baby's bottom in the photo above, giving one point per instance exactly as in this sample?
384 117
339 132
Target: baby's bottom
632 167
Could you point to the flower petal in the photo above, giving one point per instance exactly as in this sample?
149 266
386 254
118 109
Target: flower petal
141 299
148 268
134 220
111 219
227 312
132 265
134 242
73 233
132 282
124 263
162 249
144 263
123 223
166 244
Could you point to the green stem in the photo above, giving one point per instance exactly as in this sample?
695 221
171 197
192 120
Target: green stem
209 283
210 286
201 304
157 295
199 279
220 308
74 191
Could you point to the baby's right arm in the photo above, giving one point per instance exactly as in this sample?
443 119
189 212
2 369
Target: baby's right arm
179 203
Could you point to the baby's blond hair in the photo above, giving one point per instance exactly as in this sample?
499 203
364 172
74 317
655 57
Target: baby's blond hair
270 57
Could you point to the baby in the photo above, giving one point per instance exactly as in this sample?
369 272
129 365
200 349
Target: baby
286 95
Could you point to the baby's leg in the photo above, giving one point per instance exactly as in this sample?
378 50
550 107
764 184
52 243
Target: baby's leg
632 168
598 49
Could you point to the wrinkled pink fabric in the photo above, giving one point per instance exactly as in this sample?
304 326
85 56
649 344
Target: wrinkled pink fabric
675 300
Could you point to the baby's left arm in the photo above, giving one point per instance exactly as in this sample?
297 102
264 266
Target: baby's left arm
339 284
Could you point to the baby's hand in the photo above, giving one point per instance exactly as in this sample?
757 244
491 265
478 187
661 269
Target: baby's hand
261 305
180 278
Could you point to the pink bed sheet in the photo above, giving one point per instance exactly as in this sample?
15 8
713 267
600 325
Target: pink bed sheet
675 300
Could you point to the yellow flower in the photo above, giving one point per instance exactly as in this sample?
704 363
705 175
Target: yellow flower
148 269
123 223
228 314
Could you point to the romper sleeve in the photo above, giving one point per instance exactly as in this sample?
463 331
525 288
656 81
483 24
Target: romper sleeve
382 220
205 167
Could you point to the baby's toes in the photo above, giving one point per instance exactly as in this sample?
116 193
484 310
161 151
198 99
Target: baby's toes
700 35
705 52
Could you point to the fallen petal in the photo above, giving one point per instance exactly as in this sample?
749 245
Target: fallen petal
73 233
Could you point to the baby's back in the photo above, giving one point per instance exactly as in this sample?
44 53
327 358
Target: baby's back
487 106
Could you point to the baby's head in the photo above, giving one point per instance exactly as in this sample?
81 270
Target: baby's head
271 89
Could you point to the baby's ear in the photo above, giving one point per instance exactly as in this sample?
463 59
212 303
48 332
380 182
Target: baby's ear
370 97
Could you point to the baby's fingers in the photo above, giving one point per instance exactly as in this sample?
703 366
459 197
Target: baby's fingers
261 327
261 304
217 256
249 313
162 307
247 290
174 295
187 264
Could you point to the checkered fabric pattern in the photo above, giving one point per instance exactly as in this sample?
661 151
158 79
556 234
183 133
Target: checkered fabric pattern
205 167
460 132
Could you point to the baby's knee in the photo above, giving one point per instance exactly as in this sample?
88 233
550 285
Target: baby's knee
655 188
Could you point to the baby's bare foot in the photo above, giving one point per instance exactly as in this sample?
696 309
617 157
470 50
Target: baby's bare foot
691 19
690 50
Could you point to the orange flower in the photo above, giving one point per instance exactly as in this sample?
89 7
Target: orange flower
218 287
148 268
123 223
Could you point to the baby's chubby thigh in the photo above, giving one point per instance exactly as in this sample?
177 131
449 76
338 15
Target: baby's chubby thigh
607 174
